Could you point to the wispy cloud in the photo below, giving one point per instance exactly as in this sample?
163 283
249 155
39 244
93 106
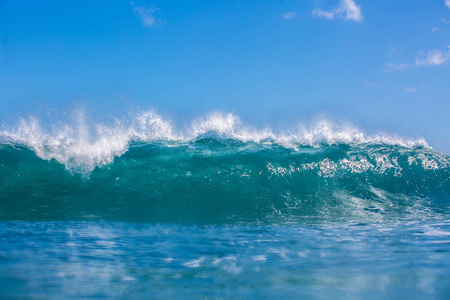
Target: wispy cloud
434 29
391 67
347 10
146 15
424 59
290 15
323 14
447 3
433 58
410 89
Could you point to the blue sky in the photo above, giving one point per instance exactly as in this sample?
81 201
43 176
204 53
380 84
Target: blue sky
383 65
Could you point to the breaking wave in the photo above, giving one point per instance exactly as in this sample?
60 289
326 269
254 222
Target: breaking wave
82 147
218 170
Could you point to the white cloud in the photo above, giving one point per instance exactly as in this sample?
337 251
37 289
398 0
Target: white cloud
433 58
323 14
410 89
434 29
352 11
430 58
146 15
290 15
447 3
391 67
347 10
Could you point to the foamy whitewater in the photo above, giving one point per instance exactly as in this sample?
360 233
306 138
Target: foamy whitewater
144 208
82 148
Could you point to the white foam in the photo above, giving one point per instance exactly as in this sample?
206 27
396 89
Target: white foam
81 146
74 146
229 126
319 132
149 126
218 122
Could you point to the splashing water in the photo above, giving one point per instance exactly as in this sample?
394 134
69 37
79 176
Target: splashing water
220 209
82 148
220 170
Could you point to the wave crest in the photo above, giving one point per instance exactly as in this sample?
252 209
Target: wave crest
82 146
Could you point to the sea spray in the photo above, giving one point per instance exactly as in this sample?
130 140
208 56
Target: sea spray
83 146
218 171
141 208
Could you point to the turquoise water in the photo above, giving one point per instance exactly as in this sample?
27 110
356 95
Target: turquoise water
229 182
222 214
61 260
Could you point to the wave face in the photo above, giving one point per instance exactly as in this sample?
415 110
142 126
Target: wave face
218 172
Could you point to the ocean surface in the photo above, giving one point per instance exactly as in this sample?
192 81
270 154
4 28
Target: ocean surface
138 209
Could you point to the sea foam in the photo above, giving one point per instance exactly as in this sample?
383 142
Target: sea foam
82 145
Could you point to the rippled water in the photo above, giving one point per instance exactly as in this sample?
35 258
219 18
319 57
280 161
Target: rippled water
55 260
139 211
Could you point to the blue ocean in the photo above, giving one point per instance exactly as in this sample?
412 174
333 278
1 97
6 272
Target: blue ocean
140 209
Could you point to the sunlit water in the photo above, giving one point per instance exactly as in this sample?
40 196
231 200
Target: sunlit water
141 211
56 260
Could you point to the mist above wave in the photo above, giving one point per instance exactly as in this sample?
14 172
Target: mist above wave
82 145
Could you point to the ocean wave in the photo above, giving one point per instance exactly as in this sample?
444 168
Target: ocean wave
82 146
148 171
